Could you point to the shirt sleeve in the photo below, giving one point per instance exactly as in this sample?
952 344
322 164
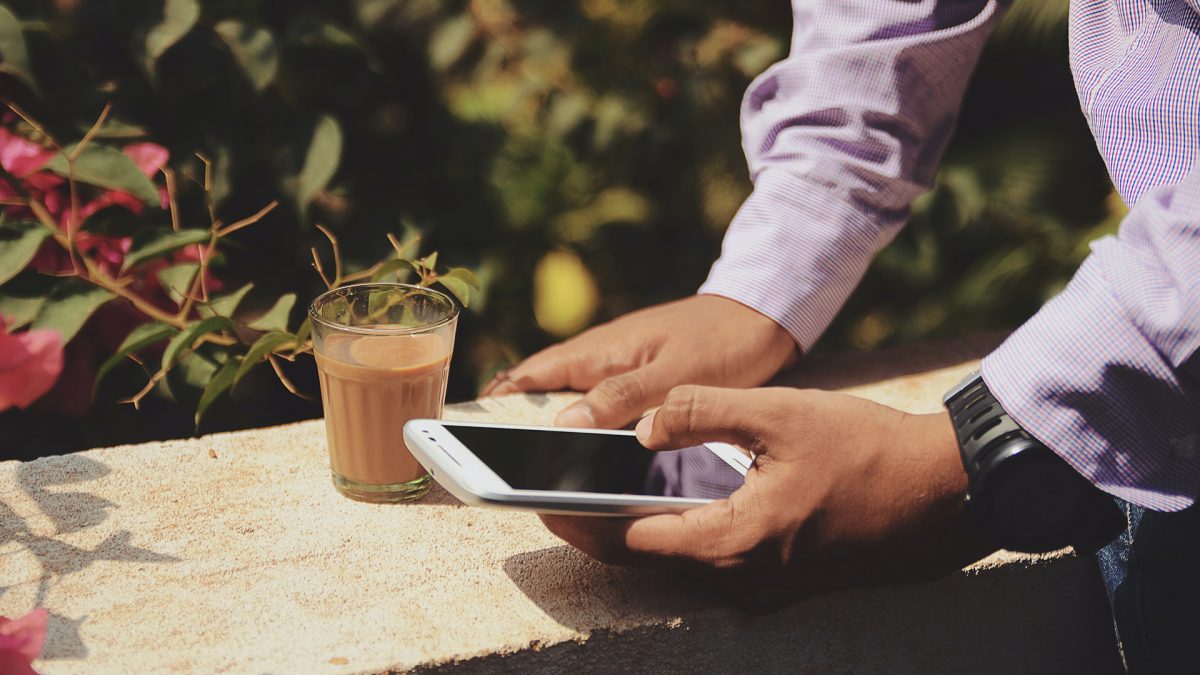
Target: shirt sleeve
840 137
1106 374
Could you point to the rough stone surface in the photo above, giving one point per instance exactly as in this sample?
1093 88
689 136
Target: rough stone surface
232 553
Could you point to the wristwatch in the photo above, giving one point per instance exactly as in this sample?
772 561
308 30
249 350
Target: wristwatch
1022 494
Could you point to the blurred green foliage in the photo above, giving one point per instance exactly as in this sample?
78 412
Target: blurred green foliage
582 154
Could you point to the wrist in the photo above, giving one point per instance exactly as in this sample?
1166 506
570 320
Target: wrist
773 337
945 475
943 485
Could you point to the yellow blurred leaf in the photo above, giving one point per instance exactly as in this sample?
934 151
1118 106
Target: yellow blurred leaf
612 205
565 296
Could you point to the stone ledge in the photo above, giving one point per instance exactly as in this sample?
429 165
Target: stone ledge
232 553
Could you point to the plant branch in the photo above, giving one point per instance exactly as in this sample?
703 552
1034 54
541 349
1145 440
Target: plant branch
91 133
367 273
283 379
97 276
199 284
246 222
337 255
208 168
320 270
31 122
172 202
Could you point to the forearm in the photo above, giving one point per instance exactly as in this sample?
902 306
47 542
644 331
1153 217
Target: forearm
839 138
1106 374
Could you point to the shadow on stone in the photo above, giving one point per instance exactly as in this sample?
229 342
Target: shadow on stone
585 595
1046 618
472 407
437 496
70 511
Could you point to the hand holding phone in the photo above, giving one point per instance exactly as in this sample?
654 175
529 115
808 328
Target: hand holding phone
571 471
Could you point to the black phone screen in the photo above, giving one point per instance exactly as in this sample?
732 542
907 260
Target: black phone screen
529 459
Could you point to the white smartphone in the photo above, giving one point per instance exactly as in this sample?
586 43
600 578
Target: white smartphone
571 471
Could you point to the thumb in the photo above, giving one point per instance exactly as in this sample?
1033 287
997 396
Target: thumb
618 400
691 415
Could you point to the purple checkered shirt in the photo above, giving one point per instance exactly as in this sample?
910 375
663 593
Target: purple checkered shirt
841 136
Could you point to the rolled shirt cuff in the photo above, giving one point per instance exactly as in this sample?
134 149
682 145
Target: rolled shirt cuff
795 251
1083 379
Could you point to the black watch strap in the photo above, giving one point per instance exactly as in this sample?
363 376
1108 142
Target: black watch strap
1019 491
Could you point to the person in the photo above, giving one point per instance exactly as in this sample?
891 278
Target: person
840 137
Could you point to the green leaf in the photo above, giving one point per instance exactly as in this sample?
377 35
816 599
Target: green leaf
188 336
275 318
303 333
68 307
109 168
23 296
177 280
178 19
18 311
224 305
187 380
14 57
320 162
254 48
462 282
138 339
158 243
215 387
397 268
429 261
19 241
450 41
266 344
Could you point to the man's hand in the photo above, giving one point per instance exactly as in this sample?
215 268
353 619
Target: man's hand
629 365
843 492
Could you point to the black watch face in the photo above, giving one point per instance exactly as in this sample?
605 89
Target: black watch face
1037 498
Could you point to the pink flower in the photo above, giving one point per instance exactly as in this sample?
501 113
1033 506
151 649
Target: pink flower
21 156
149 157
21 642
30 362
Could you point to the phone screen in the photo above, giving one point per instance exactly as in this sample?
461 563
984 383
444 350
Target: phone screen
529 459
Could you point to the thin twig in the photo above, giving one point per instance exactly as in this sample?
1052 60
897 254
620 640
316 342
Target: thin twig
172 203
208 169
320 269
367 273
246 222
31 122
96 276
396 244
136 399
72 157
337 254
199 283
91 133
283 379
71 253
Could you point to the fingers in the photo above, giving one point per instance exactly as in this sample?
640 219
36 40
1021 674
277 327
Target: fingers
618 400
695 539
562 366
691 415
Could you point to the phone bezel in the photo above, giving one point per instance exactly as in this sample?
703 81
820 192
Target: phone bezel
469 478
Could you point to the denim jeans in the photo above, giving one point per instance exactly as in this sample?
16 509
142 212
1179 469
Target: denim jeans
1152 575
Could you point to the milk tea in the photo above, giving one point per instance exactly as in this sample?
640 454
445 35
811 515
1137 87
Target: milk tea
370 386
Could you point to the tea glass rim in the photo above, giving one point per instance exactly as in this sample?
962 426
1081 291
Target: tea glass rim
392 329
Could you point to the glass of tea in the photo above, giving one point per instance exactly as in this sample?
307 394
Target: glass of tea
383 356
